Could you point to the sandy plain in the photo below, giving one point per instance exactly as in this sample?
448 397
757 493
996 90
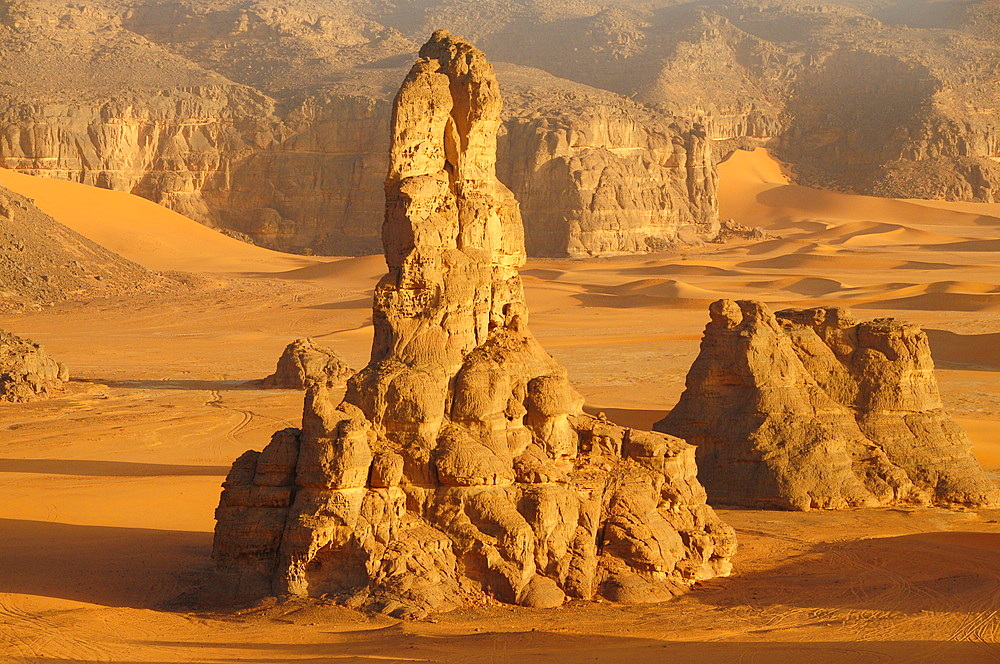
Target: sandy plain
107 492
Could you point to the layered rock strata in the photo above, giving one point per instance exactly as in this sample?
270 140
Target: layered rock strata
810 409
460 464
304 363
27 372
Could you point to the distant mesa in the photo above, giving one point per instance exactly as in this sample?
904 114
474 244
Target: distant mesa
460 467
304 363
27 372
810 409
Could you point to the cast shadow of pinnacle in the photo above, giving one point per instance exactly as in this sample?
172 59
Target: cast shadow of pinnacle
90 468
530 646
945 573
956 572
112 566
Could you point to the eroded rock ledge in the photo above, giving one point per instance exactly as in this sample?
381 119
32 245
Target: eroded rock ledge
460 465
811 409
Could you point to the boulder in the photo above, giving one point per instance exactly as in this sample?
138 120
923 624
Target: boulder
304 362
27 372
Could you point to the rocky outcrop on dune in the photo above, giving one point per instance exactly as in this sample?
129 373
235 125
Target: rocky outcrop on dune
43 262
810 409
27 372
459 465
304 363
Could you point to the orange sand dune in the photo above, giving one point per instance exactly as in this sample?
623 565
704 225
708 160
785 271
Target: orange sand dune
752 191
144 232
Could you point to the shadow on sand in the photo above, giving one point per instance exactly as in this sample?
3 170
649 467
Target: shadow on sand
106 468
112 566
193 385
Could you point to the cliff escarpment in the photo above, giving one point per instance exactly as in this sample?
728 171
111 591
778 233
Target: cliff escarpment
269 118
256 122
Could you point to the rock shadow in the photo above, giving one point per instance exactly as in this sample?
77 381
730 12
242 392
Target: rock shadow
138 568
173 384
84 467
937 572
402 645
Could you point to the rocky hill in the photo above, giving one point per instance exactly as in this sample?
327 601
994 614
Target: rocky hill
43 262
270 118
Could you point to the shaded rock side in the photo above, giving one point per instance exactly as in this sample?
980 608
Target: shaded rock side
808 409
27 372
303 363
460 465
883 372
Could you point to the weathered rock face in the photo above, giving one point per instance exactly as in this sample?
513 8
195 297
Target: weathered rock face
460 463
272 119
883 372
26 370
303 176
608 181
809 409
304 363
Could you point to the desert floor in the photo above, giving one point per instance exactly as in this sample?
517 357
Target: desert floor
107 492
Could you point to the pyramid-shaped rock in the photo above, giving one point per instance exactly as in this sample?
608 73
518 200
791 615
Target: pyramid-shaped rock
810 409
460 464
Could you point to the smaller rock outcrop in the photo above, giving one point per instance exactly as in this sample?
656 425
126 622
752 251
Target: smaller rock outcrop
26 370
732 231
810 409
305 363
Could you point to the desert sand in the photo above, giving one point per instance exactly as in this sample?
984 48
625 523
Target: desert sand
108 491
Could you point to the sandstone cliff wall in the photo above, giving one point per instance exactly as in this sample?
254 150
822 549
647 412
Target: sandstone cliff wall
304 176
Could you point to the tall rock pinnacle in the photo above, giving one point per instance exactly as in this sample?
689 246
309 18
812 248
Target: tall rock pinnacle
460 464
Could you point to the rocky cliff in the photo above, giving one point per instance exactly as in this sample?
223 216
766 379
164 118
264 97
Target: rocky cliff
810 409
293 162
270 117
460 465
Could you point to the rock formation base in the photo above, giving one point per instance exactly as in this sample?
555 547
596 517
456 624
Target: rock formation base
460 466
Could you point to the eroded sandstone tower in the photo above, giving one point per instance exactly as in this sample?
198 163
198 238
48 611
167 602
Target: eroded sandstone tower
811 409
460 463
